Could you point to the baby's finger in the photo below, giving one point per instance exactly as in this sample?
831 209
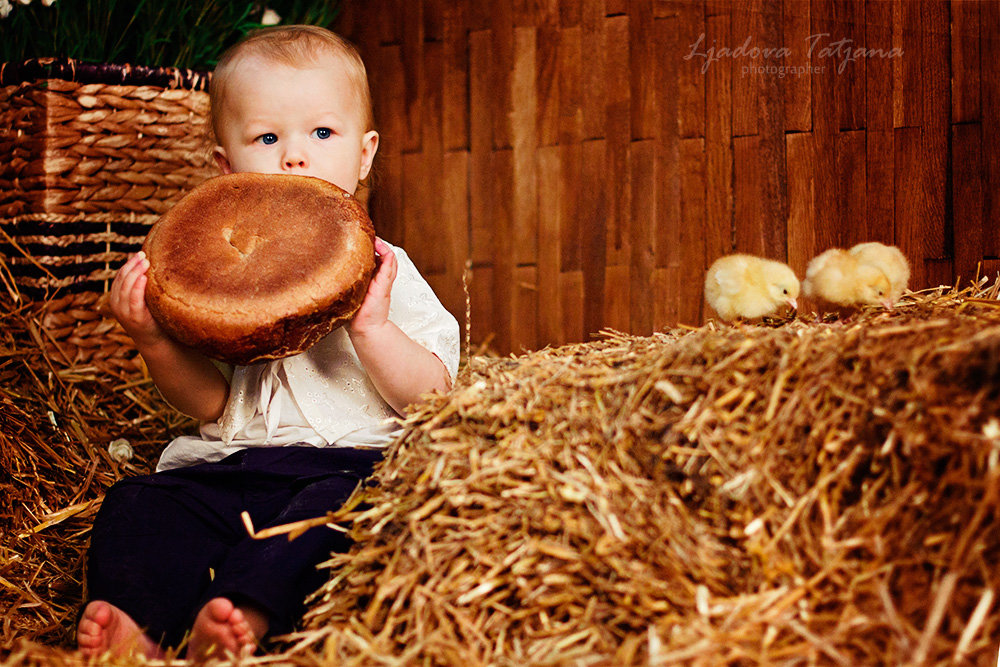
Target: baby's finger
385 275
392 266
137 297
129 276
123 299
124 270
134 263
386 258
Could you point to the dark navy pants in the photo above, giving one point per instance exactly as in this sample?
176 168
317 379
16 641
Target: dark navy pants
164 544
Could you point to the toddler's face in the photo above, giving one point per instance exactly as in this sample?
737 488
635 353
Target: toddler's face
278 119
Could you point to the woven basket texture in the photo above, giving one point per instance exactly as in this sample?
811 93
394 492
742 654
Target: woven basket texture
90 156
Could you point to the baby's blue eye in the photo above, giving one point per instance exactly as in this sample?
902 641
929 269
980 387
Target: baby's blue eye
323 132
268 139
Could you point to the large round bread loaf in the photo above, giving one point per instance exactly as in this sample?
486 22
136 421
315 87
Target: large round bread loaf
249 267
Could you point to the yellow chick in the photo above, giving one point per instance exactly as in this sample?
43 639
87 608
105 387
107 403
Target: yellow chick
890 260
748 286
836 276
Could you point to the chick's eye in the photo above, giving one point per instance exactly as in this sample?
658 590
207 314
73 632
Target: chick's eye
784 291
268 138
323 132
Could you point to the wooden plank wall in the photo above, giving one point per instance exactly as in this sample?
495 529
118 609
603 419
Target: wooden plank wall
592 157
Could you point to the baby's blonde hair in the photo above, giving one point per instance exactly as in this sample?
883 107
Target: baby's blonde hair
295 46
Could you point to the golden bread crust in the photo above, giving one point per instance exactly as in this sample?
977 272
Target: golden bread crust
250 267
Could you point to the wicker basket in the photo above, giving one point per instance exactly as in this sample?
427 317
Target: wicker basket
90 156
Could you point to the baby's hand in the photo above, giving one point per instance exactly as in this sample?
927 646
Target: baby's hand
374 310
128 302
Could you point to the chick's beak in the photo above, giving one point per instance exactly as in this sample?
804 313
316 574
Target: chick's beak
792 302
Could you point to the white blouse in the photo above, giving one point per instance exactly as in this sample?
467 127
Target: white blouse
323 396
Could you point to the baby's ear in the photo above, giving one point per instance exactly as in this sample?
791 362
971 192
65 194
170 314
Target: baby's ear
219 153
369 146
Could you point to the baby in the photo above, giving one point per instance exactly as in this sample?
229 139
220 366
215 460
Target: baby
284 440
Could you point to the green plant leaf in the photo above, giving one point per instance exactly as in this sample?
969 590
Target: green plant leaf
186 33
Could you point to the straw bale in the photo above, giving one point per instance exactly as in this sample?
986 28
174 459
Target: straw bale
60 408
804 492
821 493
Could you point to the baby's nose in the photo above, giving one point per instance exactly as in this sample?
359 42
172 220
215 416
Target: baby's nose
295 156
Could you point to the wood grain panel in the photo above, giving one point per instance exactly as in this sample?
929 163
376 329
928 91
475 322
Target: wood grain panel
641 52
594 78
433 16
749 213
571 305
572 229
967 197
570 85
719 231
413 73
801 168
935 39
826 127
670 72
747 31
797 89
524 138
965 55
592 218
685 29
455 83
592 157
879 110
547 84
907 89
771 129
852 187
388 20
452 234
524 310
879 71
484 315
482 226
880 199
911 203
427 248
990 100
481 107
692 257
550 223
385 198
504 279
664 305
422 179
617 298
617 134
849 35
501 59
642 169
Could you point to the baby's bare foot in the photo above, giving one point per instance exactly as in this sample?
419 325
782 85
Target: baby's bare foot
222 628
104 627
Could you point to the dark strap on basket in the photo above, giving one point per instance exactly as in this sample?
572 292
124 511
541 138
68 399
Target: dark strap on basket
68 69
